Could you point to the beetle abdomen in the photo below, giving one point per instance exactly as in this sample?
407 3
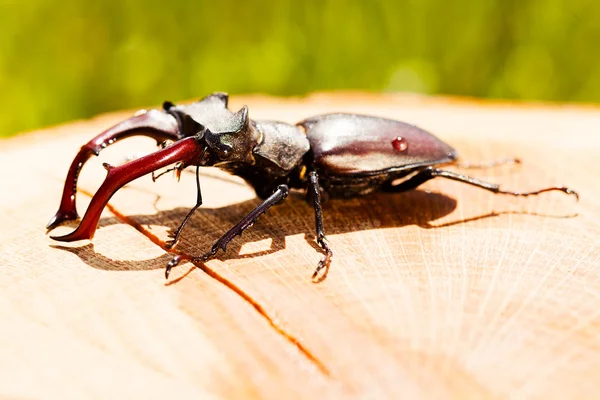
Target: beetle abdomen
349 144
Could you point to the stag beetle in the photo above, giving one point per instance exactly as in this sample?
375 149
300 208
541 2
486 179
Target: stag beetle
338 155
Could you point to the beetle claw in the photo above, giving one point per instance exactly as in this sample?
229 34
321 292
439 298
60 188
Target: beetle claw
174 261
571 192
323 264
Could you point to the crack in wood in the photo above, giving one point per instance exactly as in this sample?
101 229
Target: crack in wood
227 283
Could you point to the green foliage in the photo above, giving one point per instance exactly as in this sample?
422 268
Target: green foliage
76 58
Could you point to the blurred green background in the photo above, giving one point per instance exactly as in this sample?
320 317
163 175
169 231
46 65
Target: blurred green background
72 59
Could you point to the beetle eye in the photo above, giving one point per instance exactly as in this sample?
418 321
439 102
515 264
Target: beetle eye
224 150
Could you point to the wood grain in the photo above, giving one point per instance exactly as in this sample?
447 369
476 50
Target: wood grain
443 292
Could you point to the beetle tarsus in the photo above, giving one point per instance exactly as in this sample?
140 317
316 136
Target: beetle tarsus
563 189
213 250
207 256
326 260
315 193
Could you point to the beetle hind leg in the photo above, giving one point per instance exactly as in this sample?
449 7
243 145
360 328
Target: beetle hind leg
429 173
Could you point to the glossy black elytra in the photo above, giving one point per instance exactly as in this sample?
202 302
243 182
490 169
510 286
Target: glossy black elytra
337 155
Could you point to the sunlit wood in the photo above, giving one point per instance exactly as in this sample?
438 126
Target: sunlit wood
444 292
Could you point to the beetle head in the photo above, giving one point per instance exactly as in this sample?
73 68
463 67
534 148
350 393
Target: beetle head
230 137
234 144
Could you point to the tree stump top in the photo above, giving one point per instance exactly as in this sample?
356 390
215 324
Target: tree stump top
447 291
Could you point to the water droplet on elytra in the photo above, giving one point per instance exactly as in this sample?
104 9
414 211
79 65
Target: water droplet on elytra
400 144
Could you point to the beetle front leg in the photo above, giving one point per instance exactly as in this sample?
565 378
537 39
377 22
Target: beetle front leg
172 243
278 196
321 240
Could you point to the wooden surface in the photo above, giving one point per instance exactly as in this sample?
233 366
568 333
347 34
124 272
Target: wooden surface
444 292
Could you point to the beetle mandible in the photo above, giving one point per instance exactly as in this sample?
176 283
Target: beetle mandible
338 155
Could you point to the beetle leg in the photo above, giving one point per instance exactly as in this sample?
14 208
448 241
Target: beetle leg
172 243
430 173
155 124
278 196
177 168
316 196
186 150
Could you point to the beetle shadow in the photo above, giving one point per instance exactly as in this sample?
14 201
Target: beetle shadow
294 216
